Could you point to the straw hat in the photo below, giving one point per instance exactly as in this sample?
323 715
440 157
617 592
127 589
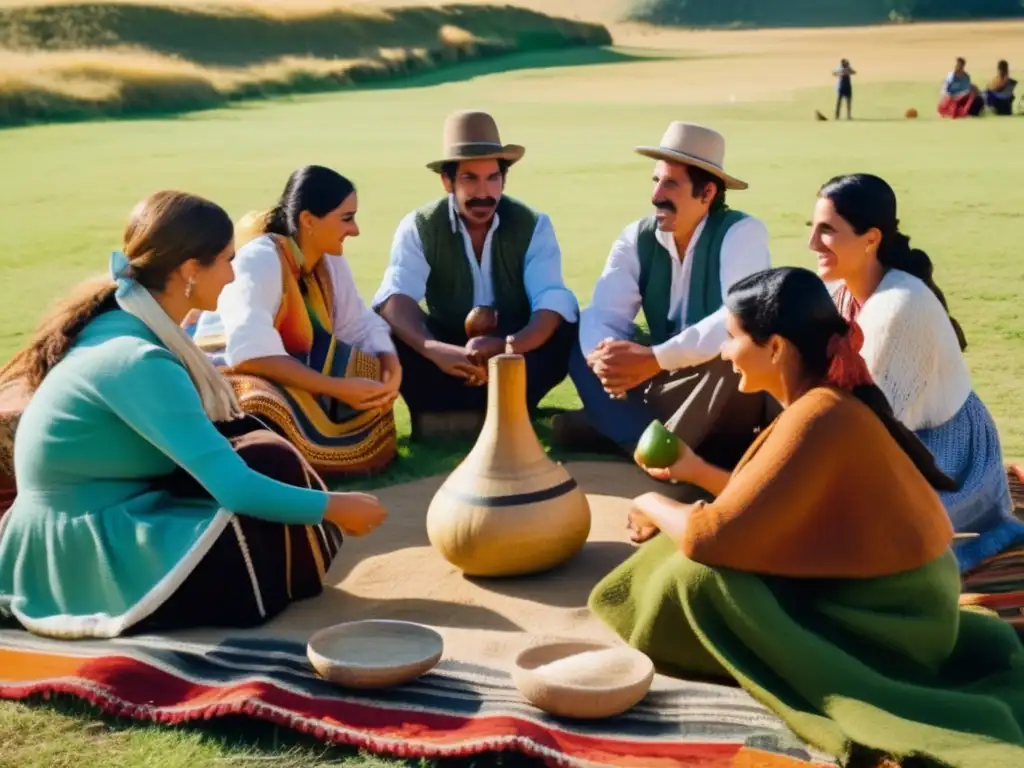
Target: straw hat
472 135
694 145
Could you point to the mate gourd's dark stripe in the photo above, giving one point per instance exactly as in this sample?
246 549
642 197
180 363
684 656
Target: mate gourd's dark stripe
515 499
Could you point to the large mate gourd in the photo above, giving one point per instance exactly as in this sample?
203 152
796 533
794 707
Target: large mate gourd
508 509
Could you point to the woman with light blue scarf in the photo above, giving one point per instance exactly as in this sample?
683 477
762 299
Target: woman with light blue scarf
144 501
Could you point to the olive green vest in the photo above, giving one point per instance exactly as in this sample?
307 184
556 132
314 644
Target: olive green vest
705 295
449 292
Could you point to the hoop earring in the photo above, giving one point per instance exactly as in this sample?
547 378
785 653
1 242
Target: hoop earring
188 288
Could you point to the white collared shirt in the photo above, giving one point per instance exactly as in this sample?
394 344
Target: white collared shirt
248 305
408 270
616 300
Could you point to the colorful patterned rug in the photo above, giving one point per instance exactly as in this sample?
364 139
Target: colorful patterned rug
998 583
456 710
467 705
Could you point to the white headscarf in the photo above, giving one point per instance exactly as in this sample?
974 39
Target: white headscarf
218 397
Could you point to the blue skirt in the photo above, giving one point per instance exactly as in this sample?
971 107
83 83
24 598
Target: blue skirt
967 449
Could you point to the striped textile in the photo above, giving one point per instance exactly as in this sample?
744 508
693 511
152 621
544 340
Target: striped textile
456 710
336 439
998 583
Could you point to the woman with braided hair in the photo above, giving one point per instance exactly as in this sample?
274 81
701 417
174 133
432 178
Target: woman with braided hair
820 579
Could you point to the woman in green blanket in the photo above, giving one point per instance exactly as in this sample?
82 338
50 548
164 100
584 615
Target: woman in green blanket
821 578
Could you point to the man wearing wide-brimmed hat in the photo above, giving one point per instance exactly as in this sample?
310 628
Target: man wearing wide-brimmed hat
676 265
489 270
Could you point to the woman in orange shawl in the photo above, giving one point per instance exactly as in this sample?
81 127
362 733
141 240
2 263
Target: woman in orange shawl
820 579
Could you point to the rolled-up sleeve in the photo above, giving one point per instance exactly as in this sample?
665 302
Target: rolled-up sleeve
355 323
744 252
542 273
247 306
407 269
616 299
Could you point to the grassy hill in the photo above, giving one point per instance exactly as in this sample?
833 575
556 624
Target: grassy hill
68 60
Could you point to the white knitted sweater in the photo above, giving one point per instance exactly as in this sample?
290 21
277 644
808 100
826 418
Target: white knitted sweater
912 352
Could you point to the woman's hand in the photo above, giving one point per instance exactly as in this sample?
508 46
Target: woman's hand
356 514
390 371
690 468
640 527
685 469
654 512
364 394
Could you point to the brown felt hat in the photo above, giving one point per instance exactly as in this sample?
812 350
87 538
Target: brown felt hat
695 145
470 135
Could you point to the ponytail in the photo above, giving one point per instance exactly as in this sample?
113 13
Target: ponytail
918 452
276 222
849 371
58 332
313 188
895 253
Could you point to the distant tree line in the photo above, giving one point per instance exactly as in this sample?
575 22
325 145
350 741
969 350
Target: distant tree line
768 13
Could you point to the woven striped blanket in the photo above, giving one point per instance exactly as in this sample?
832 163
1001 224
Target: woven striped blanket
467 705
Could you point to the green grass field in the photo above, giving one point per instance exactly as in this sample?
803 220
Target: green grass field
67 189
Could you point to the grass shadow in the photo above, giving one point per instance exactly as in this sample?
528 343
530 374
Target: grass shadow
496 65
439 74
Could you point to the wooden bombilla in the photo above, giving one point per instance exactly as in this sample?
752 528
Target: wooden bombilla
508 509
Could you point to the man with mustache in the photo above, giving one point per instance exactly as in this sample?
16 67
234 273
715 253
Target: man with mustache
675 265
489 270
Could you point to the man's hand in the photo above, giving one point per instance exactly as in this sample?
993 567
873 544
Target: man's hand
482 348
622 365
455 362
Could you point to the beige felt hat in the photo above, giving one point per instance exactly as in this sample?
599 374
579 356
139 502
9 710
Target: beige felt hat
694 145
470 135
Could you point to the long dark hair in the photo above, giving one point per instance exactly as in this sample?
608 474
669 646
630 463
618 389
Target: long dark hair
312 188
868 202
794 303
163 232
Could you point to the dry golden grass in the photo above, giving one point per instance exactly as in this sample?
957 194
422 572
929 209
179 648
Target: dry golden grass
596 10
269 8
101 62
604 11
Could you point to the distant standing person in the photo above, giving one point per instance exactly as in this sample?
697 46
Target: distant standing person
844 87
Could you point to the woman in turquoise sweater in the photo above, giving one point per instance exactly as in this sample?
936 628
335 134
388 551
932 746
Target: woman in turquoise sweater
140 506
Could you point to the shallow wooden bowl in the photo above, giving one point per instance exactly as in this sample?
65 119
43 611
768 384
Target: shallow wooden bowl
377 653
596 691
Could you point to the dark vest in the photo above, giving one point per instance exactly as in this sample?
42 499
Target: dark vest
449 291
705 294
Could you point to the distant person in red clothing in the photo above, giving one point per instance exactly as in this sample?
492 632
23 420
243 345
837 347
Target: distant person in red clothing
960 97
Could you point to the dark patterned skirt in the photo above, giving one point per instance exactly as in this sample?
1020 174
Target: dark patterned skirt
256 567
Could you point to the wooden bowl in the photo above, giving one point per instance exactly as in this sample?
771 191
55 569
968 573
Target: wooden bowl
603 681
377 653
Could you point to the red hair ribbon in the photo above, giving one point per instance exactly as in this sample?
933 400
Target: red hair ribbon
847 368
